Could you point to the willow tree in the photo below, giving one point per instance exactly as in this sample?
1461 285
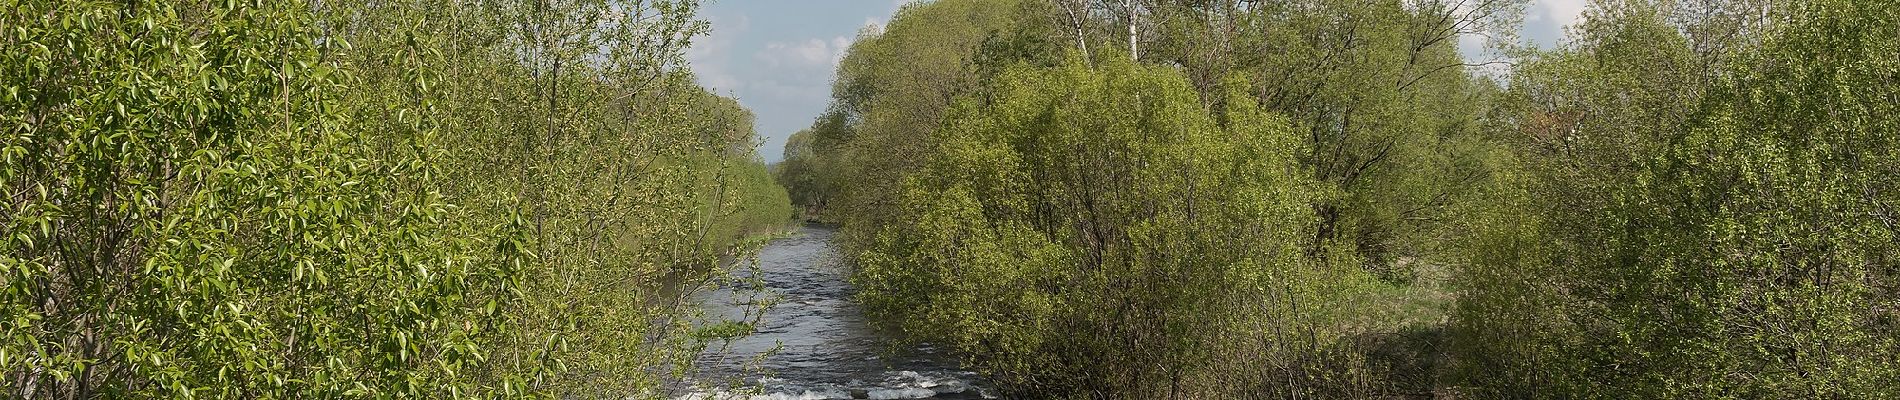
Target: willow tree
188 215
577 125
1391 107
288 199
1151 254
1691 235
894 87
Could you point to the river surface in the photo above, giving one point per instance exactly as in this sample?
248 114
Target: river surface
814 344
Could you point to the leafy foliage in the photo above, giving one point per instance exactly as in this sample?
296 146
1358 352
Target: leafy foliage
290 199
1686 200
1732 242
1077 254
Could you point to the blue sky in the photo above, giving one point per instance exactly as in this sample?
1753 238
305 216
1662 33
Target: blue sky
777 56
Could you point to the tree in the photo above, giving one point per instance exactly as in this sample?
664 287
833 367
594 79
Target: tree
1147 255
1700 235
1392 113
361 199
188 214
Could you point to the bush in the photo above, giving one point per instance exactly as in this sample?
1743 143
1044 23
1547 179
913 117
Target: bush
360 200
1743 252
1153 254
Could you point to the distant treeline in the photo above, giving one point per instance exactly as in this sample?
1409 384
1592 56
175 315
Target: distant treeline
360 199
1324 199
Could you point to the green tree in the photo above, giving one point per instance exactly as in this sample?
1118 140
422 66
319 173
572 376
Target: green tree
1391 109
361 199
893 89
801 173
188 215
1391 126
1708 228
1149 255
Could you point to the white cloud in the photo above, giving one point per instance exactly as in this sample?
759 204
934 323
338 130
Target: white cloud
1545 21
711 55
804 53
780 62
1558 13
1473 46
1544 24
842 44
1562 12
808 53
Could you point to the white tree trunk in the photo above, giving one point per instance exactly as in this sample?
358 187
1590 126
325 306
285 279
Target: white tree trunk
1134 41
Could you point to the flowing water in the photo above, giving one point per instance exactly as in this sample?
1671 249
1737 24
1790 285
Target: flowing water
814 344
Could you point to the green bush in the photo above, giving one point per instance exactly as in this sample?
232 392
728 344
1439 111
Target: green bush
360 200
1741 248
188 215
1068 254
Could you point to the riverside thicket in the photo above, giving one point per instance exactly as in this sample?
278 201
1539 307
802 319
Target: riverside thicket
271 199
1232 199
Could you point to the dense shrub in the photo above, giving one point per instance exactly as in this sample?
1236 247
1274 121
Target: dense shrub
1144 256
1742 247
340 199
1095 252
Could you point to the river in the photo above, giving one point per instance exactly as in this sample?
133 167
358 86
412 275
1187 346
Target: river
814 344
